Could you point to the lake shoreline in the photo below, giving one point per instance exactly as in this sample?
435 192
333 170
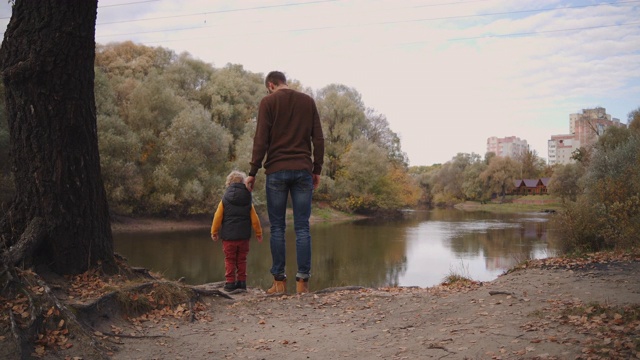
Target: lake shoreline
321 212
544 309
126 224
513 206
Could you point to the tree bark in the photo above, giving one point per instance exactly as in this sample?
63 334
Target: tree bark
47 60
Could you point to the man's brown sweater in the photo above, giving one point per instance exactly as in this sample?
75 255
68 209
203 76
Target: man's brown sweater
288 124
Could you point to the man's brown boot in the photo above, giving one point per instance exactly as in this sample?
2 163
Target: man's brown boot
302 285
278 287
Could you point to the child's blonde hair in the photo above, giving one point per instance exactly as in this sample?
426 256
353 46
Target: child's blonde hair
235 177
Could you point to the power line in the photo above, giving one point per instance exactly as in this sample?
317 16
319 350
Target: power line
540 32
129 3
106 6
216 12
453 39
505 13
194 14
364 24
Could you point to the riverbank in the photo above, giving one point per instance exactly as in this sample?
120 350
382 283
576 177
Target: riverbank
557 308
520 204
320 212
550 309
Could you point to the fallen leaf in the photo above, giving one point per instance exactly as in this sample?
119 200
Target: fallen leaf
40 350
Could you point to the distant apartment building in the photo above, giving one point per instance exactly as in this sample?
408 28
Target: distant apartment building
561 148
585 128
507 147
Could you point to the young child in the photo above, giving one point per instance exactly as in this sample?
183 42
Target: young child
232 223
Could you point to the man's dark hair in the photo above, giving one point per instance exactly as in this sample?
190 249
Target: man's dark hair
276 78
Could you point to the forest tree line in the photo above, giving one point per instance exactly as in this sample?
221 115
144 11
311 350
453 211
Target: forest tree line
171 127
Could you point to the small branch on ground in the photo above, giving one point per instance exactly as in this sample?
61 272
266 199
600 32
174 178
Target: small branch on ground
144 272
340 288
203 290
130 336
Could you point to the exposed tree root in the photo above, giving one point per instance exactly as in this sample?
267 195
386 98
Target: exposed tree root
122 300
41 321
24 248
45 323
22 345
79 328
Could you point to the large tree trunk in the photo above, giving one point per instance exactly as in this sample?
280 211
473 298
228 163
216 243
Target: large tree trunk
47 60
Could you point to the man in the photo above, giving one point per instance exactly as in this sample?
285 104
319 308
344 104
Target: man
287 127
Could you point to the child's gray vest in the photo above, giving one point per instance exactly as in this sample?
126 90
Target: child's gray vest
236 223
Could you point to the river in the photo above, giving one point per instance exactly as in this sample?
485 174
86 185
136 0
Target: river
419 250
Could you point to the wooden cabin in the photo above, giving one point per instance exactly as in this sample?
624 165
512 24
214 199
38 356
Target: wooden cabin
530 186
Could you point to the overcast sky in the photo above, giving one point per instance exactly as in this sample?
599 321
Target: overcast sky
447 74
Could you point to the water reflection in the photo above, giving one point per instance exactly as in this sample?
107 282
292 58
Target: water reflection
419 250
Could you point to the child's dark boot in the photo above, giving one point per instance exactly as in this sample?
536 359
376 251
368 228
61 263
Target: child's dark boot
230 286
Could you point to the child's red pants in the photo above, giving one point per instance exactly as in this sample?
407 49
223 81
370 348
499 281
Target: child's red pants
235 259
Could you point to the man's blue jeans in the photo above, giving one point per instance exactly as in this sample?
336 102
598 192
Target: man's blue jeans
298 183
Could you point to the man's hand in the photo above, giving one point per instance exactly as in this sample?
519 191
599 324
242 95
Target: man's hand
249 181
259 238
316 181
214 237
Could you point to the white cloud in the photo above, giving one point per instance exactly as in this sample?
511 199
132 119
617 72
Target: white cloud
443 72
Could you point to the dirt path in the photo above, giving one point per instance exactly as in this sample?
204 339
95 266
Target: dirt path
547 312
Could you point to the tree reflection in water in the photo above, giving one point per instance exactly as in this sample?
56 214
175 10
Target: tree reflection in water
418 250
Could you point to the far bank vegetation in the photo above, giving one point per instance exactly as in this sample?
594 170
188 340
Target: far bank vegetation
170 128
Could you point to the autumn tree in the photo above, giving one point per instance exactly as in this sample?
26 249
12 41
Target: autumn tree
473 186
500 175
634 120
120 150
531 165
424 178
448 180
362 184
342 113
193 164
377 131
59 215
606 212
189 78
234 94
565 182
612 187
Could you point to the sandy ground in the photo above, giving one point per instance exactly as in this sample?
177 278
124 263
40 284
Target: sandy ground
527 314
